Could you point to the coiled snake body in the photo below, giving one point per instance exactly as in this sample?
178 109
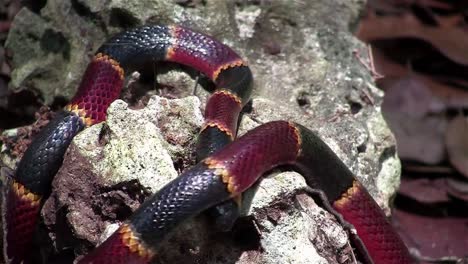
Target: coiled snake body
226 168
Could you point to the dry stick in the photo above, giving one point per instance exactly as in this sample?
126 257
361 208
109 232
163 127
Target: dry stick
197 79
370 66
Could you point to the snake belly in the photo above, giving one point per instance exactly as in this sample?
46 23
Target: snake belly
225 171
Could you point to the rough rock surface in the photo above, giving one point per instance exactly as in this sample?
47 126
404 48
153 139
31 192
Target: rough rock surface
116 165
301 54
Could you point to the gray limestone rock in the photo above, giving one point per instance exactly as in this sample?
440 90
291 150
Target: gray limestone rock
118 163
305 70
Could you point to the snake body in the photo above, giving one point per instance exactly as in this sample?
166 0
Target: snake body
226 169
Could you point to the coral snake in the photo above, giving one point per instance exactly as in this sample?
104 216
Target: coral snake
226 168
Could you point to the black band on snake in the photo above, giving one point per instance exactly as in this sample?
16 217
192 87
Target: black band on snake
226 169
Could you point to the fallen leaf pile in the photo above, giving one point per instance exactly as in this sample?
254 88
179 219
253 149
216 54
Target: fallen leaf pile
418 54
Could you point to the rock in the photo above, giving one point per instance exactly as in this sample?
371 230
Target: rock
46 59
305 71
115 166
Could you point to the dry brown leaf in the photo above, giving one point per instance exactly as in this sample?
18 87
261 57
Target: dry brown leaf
420 135
391 5
458 188
449 39
450 96
456 140
410 96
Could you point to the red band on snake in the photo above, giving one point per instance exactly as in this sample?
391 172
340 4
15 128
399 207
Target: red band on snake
225 171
